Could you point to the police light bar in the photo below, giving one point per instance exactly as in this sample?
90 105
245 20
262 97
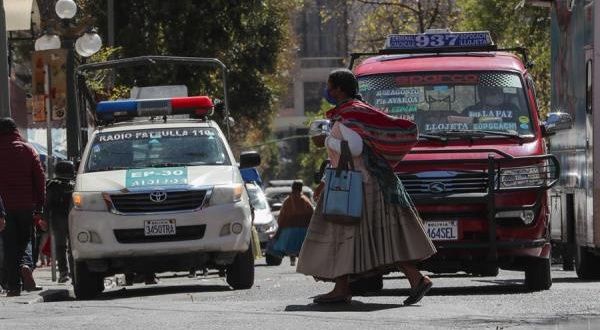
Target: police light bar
439 39
199 106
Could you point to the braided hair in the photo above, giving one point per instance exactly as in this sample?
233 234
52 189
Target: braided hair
346 81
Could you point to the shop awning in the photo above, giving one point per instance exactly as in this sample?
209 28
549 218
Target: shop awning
18 14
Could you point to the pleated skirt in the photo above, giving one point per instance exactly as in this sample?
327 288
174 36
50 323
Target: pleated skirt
387 235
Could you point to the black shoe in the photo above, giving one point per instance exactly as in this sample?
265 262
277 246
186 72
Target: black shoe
333 300
63 278
419 292
13 293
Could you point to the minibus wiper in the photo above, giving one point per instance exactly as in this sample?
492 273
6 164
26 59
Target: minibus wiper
460 133
432 137
502 133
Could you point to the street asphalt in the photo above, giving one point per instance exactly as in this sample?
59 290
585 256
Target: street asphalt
281 299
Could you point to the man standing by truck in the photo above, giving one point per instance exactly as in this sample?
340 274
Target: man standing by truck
22 188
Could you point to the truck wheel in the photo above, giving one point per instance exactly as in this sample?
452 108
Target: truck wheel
240 274
86 284
367 284
587 264
273 260
537 274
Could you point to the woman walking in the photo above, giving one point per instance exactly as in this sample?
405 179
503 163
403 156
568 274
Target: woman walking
390 235
293 220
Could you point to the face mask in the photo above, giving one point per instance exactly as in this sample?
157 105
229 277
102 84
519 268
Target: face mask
328 97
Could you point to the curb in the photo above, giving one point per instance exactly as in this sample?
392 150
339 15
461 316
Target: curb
51 295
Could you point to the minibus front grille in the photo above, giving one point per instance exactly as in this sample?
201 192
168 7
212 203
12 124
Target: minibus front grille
457 184
158 201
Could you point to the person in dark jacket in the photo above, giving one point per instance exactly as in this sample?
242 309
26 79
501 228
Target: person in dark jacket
23 190
58 204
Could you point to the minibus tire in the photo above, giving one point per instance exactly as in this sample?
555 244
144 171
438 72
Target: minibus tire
587 264
273 260
86 284
367 285
240 274
538 276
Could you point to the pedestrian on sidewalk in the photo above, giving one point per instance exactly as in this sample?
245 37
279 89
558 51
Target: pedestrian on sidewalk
293 221
59 191
390 235
22 188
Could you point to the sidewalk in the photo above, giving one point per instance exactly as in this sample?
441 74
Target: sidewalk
52 291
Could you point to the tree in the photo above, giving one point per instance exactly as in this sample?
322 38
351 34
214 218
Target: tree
253 38
382 17
513 24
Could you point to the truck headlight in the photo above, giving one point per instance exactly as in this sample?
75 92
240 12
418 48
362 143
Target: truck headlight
226 194
90 201
521 177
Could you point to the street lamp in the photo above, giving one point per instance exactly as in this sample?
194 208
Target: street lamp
85 44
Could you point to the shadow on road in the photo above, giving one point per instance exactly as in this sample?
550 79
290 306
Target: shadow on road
499 287
146 291
354 306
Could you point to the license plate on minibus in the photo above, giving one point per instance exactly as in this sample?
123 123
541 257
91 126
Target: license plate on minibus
442 230
163 227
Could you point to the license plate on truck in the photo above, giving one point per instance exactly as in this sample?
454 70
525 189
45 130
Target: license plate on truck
163 227
442 230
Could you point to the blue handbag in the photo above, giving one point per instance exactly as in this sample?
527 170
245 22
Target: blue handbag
343 196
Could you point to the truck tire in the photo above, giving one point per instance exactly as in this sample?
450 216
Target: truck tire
587 265
367 285
86 284
240 274
537 274
272 260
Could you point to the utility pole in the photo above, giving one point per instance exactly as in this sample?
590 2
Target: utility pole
4 88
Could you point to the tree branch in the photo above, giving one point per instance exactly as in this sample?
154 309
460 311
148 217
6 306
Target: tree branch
388 3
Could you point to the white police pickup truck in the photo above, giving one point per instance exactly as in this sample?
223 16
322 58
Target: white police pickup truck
157 195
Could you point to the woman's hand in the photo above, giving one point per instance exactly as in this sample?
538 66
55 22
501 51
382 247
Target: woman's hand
2 223
318 191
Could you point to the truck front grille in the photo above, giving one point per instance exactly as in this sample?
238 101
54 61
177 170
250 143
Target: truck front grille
183 233
444 183
143 202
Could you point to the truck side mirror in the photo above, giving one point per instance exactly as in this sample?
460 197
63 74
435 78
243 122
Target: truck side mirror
555 122
249 159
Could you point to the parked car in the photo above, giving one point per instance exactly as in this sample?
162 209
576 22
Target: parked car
264 222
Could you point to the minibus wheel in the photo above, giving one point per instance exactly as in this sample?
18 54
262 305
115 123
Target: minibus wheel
537 274
367 284
240 274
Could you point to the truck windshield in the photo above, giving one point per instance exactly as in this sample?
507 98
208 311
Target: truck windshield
164 147
483 102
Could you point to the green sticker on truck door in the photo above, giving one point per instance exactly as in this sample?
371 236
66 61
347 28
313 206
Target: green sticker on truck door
149 177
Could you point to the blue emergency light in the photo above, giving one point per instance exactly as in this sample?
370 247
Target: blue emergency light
439 39
199 106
